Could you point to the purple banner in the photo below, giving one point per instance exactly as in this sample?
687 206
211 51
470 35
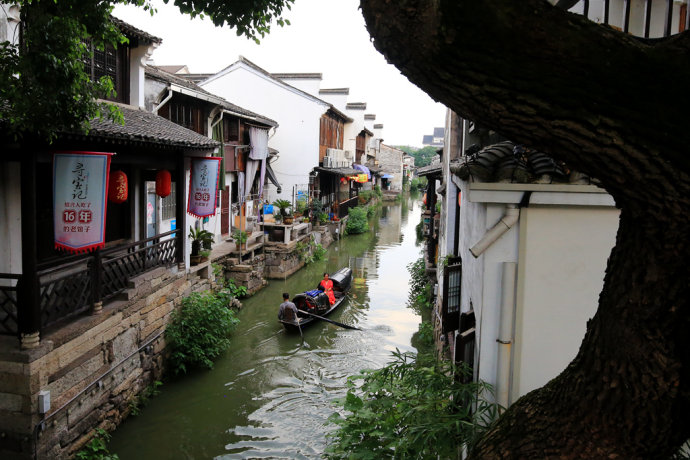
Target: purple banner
203 183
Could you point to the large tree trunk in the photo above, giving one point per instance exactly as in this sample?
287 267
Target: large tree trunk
612 106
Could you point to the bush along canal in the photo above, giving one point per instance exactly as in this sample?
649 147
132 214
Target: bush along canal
270 395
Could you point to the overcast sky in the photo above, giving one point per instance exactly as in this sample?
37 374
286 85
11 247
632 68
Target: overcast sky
325 36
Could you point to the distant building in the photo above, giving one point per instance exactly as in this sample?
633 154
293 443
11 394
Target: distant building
436 139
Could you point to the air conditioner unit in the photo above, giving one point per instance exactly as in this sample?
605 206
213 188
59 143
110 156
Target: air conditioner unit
348 154
327 162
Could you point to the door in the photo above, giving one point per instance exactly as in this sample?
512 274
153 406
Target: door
151 211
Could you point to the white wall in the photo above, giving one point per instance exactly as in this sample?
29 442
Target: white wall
563 254
390 161
10 218
297 137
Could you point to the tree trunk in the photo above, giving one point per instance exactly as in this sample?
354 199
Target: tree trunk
612 106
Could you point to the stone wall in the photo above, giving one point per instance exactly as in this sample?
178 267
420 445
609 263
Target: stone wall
250 276
94 368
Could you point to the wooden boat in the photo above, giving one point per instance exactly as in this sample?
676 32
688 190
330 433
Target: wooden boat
316 301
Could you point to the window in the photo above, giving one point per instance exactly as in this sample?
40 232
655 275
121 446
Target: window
452 280
168 204
465 342
108 62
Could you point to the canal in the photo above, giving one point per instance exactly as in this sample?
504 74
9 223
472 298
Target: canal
270 394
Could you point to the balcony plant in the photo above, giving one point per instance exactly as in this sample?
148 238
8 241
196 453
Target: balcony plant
284 206
200 238
240 237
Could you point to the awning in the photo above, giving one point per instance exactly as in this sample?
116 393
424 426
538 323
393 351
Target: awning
364 169
387 176
272 177
338 171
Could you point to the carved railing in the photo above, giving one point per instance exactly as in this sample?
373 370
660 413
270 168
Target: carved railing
74 286
8 304
637 18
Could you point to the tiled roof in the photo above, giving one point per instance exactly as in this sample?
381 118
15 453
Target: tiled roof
356 106
145 127
131 31
378 126
507 162
369 116
298 76
339 171
335 91
429 170
439 132
156 72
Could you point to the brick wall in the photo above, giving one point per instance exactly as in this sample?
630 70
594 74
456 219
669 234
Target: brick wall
93 367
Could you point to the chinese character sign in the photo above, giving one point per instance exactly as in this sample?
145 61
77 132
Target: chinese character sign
80 182
203 183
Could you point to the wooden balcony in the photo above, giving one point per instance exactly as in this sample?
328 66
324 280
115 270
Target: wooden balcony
79 282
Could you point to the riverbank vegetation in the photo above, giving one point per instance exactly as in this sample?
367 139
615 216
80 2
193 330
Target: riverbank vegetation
198 330
414 407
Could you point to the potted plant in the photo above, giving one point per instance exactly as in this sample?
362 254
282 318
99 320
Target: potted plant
200 238
240 237
284 205
205 254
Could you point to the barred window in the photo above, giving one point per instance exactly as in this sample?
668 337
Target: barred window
168 204
105 62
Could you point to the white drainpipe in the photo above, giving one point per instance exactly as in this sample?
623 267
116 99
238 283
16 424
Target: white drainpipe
504 366
164 101
510 218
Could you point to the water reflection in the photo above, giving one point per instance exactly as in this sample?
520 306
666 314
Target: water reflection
269 396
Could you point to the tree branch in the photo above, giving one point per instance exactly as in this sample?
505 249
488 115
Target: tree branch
590 95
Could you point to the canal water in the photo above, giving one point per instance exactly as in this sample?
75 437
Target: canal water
270 394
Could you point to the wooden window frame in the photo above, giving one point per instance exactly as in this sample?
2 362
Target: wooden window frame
452 289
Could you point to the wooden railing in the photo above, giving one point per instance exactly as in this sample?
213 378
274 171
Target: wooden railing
627 15
345 206
74 286
8 304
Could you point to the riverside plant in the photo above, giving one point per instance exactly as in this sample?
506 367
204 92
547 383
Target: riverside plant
414 407
199 329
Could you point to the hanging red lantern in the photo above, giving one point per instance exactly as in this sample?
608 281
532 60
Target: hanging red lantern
163 183
117 187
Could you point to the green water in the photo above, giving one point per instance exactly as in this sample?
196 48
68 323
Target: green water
269 396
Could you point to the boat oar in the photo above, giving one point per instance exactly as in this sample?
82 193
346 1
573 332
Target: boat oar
346 326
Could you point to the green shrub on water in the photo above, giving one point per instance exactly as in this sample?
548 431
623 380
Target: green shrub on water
198 331
357 221
415 407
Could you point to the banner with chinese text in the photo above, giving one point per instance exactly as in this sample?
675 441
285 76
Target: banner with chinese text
203 182
80 185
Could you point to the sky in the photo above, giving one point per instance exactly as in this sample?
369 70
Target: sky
325 36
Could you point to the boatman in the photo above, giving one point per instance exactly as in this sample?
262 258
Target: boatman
288 310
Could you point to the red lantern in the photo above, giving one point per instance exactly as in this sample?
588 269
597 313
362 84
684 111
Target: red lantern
163 183
117 187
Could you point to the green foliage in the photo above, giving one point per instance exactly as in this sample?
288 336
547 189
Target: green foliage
302 205
97 448
426 333
418 183
415 407
251 19
377 191
44 88
365 196
231 291
283 205
143 399
423 156
198 330
240 236
357 221
371 210
420 296
204 237
309 251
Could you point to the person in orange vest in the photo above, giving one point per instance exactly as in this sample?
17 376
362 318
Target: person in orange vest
327 286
